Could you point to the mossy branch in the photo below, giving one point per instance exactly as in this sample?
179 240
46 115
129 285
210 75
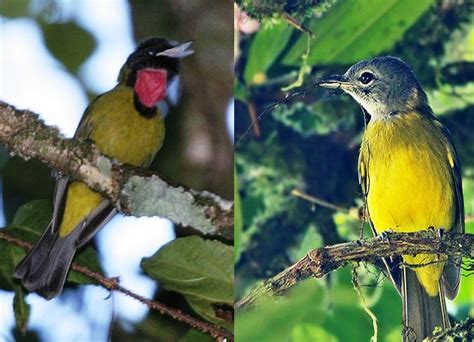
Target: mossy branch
320 261
133 191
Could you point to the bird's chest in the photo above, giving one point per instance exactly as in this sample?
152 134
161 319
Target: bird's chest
408 178
121 132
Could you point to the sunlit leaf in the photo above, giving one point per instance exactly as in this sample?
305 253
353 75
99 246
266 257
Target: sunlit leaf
342 38
266 46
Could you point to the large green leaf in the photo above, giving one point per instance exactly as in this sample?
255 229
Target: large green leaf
14 8
356 29
201 270
21 309
267 44
58 38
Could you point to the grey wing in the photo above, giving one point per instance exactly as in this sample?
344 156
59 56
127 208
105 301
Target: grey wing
104 211
451 273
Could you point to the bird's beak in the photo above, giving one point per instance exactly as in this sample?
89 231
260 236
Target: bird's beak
334 82
179 51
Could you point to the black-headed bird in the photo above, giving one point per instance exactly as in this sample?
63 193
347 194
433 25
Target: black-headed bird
124 123
411 181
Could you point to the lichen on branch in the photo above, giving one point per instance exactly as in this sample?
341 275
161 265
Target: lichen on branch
132 190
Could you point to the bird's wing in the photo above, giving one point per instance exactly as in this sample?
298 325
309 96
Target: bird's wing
104 211
451 273
392 264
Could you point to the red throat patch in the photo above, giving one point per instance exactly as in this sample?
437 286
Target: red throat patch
151 86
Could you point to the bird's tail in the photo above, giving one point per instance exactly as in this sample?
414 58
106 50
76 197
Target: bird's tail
421 312
45 268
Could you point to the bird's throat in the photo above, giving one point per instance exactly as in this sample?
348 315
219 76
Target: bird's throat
150 86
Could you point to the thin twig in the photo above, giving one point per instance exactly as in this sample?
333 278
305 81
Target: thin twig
296 24
253 118
112 284
352 212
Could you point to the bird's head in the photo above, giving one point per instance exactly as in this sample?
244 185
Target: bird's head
383 86
151 68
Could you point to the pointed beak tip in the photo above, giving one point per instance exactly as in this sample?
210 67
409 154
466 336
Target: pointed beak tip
180 50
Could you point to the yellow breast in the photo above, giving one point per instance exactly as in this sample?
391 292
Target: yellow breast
119 131
409 181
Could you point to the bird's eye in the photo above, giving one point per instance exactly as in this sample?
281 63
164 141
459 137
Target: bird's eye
366 77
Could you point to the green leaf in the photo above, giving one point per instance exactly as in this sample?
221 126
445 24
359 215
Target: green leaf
24 181
87 257
28 221
240 92
267 44
201 270
311 239
21 309
308 332
58 38
356 29
274 319
33 216
195 335
14 8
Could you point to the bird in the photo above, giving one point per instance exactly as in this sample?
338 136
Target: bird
411 180
124 123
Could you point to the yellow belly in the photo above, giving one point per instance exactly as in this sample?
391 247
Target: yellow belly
119 131
410 186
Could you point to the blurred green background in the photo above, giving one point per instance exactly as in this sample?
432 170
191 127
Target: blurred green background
310 142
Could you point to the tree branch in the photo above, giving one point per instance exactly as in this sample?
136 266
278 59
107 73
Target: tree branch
113 284
462 330
132 190
318 262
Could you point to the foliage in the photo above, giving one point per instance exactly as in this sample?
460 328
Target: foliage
309 140
207 285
